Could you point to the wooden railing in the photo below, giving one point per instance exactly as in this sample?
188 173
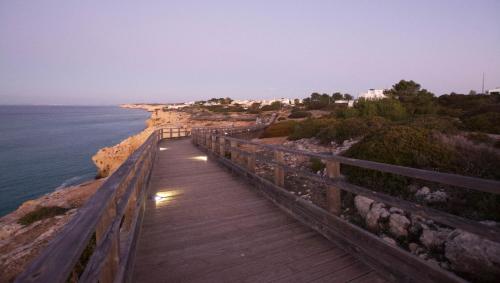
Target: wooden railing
395 263
98 244
172 133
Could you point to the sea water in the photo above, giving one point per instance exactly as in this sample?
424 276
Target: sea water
46 147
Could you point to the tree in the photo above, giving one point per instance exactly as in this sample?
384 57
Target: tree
337 96
348 97
413 98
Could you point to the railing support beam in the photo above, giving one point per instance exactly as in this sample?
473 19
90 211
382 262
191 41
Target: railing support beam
279 172
333 194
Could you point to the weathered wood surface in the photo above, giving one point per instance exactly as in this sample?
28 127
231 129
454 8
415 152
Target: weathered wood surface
214 227
473 183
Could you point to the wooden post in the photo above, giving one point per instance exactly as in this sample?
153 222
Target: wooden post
234 153
333 196
279 172
214 143
222 147
251 158
178 132
171 132
208 140
111 266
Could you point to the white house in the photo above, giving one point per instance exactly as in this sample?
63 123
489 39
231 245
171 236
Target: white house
494 91
373 94
350 103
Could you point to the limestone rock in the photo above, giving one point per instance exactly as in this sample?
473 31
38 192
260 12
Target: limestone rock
428 196
473 255
398 225
434 239
423 192
362 205
389 240
396 210
377 213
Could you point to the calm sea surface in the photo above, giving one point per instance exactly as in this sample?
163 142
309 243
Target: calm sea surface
45 147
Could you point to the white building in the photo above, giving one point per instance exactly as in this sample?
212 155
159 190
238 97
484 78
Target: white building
494 91
350 103
373 94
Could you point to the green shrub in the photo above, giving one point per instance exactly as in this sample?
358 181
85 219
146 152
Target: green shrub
388 108
41 213
309 128
486 122
347 113
350 128
446 125
399 145
299 114
343 130
480 138
280 129
316 164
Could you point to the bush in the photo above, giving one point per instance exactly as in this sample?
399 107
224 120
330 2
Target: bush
446 125
316 164
478 138
274 106
343 130
388 108
486 122
299 114
347 113
41 213
280 129
309 128
399 145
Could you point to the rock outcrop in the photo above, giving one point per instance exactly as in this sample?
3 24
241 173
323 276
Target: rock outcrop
108 159
19 244
473 255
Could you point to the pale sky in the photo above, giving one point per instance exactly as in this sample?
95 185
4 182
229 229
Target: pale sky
110 52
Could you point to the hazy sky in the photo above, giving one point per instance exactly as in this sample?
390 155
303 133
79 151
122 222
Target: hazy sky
106 52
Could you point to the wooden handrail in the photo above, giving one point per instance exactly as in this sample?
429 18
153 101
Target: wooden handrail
478 184
328 220
114 211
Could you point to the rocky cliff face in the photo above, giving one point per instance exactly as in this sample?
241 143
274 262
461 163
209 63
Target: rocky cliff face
108 159
20 243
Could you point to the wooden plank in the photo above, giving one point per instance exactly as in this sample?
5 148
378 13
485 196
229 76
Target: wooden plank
217 231
393 262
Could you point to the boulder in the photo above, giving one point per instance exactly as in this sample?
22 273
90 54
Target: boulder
472 255
362 205
428 196
377 213
423 192
389 240
434 239
396 210
398 225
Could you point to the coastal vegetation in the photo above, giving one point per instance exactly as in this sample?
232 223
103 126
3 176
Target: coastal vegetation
452 133
41 213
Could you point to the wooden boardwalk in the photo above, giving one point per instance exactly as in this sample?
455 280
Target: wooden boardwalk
207 225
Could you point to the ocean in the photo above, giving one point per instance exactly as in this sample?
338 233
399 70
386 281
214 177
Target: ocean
46 147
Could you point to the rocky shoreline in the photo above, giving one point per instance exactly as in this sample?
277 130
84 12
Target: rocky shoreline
20 243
